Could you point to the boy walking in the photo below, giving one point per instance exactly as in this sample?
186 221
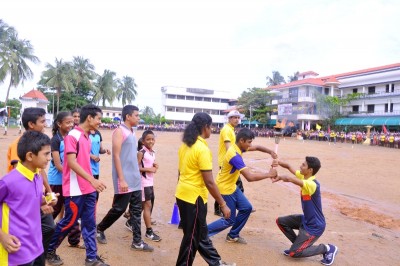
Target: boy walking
79 187
126 179
311 224
21 195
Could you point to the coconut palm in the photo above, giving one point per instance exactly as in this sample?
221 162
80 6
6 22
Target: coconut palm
126 90
14 57
294 77
60 77
276 79
84 70
105 86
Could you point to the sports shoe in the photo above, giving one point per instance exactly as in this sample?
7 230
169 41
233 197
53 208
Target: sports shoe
141 247
77 246
239 240
153 236
286 252
128 226
223 263
329 256
53 259
95 262
101 237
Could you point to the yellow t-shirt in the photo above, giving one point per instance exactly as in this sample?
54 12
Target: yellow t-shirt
193 160
309 186
230 170
12 154
227 134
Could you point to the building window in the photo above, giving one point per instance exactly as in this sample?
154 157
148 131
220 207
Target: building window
199 99
355 108
170 109
387 88
387 110
371 108
180 109
171 96
190 98
113 114
107 114
371 90
392 87
224 100
189 110
207 111
207 99
214 112
326 91
197 110
180 97
215 100
355 90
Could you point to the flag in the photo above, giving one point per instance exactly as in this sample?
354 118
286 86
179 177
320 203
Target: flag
318 127
384 129
329 129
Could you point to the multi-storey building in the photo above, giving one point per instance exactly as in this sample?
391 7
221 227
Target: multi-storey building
180 104
378 105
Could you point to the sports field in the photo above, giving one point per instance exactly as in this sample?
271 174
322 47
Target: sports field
360 192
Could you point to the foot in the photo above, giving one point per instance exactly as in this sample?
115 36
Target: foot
95 262
153 236
128 226
239 240
141 247
53 259
223 263
329 256
77 246
101 237
286 252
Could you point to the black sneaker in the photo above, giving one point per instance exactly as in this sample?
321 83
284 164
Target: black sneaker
141 247
95 262
329 256
128 226
53 259
101 237
223 263
153 236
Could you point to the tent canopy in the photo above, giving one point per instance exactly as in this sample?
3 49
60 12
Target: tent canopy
372 121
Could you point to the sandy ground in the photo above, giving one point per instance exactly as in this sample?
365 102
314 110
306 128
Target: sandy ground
361 201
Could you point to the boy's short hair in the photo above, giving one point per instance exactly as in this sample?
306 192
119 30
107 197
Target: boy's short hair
31 114
314 163
31 141
128 110
89 109
245 134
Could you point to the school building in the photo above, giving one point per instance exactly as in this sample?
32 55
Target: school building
379 103
179 104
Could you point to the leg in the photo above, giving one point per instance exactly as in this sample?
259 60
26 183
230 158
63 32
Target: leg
135 209
244 207
302 246
88 221
119 205
222 223
288 223
74 236
48 228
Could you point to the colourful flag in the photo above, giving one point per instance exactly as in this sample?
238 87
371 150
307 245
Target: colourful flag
384 129
318 127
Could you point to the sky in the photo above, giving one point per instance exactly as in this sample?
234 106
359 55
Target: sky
212 44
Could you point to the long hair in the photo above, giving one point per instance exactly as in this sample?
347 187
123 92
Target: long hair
193 130
59 118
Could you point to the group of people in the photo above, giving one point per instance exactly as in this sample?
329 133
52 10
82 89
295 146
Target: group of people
70 190
31 199
196 181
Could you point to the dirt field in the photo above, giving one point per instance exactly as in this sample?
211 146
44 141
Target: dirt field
361 201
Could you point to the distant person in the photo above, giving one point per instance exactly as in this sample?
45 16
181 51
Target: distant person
21 195
76 114
147 167
232 166
311 224
126 180
79 187
194 184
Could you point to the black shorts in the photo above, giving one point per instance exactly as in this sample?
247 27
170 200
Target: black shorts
148 193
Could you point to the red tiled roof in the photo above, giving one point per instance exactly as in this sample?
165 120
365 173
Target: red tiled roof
373 69
35 94
310 81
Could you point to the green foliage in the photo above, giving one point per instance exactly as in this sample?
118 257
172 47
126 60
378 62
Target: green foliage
107 120
15 107
256 98
276 79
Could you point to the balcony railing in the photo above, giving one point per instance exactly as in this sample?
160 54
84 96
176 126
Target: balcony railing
357 114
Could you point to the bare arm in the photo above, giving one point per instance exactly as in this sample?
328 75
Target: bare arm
144 169
263 149
117 139
287 166
57 160
287 178
227 144
213 189
251 176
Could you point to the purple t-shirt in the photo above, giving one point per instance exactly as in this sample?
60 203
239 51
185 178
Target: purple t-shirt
21 193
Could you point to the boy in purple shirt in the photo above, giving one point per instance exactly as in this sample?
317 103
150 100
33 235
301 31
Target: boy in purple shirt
21 195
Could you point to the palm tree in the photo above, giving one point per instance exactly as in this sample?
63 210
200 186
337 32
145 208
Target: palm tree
276 79
14 57
59 77
84 70
105 85
294 77
126 90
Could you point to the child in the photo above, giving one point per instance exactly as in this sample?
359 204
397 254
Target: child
311 224
76 114
21 195
148 168
79 187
